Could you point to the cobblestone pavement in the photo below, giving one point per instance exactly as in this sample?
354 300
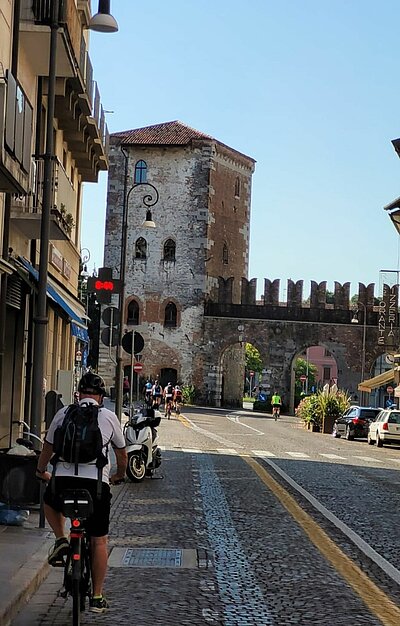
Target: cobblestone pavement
246 560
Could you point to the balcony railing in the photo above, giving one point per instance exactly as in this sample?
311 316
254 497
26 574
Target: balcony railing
26 209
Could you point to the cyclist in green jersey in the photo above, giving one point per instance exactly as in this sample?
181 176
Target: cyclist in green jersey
276 403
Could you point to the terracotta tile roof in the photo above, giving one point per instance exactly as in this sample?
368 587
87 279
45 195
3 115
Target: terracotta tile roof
169 133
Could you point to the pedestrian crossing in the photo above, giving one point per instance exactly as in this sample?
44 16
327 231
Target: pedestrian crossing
289 454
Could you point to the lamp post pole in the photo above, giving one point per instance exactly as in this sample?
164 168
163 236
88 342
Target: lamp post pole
150 199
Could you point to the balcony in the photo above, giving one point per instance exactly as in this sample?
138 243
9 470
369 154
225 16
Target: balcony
77 105
16 116
26 210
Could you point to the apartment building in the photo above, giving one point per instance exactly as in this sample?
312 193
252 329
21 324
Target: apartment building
80 140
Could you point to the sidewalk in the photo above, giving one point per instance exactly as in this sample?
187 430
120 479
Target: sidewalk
23 564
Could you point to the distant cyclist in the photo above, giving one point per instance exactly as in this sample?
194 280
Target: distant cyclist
156 392
276 403
168 396
177 398
147 393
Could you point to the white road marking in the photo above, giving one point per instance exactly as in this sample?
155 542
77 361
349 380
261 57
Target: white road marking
227 451
394 460
237 421
299 455
191 450
368 458
263 453
332 456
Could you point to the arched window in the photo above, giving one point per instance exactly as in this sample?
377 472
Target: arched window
169 250
141 248
140 172
225 255
237 187
133 313
171 315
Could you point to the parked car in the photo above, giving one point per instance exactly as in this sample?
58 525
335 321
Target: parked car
385 429
355 422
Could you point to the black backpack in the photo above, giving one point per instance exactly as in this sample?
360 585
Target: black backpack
169 390
79 440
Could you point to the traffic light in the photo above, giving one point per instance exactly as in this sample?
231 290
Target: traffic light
111 318
104 285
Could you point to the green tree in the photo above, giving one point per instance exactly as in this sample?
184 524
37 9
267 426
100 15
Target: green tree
253 359
300 369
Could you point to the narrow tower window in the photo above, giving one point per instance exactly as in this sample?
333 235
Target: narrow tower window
237 187
141 248
141 172
133 313
169 250
225 255
171 315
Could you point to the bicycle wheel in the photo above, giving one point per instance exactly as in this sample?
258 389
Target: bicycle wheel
86 573
76 582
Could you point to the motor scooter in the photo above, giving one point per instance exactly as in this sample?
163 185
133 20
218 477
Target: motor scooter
141 438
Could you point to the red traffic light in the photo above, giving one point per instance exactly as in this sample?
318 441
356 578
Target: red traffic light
104 285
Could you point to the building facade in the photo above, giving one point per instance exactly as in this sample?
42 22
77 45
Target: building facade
80 140
200 241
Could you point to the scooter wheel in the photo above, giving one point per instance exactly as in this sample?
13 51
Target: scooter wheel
136 468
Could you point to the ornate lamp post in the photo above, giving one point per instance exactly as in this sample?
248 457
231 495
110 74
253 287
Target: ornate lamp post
149 200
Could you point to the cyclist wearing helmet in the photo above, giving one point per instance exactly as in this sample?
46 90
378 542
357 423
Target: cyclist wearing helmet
91 391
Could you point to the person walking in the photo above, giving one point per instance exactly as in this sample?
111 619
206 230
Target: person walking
67 475
126 389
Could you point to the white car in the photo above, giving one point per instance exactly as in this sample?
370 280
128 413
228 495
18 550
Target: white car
385 428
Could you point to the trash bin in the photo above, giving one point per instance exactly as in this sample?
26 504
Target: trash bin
18 483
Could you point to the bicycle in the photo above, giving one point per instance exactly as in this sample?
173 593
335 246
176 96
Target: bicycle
276 411
168 408
77 505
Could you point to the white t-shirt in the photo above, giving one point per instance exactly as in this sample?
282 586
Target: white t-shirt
112 435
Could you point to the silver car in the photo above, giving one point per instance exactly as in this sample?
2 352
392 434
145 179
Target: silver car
385 428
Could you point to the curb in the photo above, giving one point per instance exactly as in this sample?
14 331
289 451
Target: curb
26 581
35 570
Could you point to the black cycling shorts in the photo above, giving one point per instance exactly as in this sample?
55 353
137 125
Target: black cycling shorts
97 525
276 406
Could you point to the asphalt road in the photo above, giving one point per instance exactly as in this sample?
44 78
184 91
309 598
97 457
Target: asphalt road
256 522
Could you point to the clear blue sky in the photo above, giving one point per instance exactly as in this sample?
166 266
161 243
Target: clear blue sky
309 89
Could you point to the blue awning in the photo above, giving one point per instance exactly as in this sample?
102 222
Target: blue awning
78 328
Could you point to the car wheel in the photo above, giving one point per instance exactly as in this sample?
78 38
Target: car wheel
370 441
348 434
379 441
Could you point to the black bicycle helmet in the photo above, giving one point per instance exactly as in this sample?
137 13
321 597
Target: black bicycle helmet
92 384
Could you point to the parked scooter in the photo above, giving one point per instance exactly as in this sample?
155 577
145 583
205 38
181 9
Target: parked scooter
141 439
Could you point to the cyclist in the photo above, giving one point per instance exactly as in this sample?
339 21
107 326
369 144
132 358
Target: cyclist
147 393
168 396
276 404
91 391
177 398
156 392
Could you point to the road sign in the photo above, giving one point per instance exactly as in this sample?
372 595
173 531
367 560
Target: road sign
137 367
127 342
389 389
78 355
109 336
251 373
111 316
303 378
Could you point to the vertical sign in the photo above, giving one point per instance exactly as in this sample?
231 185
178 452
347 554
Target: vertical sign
387 316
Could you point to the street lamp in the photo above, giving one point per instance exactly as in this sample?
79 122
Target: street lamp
41 320
364 336
149 200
